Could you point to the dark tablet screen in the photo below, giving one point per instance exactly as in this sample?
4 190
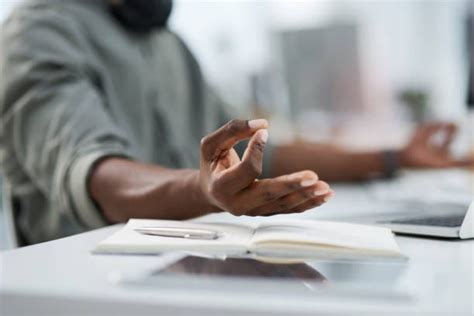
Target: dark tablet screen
242 267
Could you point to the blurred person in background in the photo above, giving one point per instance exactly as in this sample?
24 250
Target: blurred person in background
105 115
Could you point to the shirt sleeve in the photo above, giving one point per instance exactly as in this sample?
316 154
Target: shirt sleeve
55 124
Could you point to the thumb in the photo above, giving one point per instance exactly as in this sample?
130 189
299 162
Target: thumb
244 173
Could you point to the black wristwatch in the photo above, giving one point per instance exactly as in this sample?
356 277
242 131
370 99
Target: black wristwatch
391 163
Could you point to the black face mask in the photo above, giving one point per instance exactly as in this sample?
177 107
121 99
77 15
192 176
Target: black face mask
142 15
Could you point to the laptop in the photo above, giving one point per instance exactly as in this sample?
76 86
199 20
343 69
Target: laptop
442 220
445 220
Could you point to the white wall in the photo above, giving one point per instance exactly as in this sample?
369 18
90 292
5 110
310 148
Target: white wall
404 42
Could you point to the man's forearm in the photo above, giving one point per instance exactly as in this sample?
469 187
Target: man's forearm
329 162
125 189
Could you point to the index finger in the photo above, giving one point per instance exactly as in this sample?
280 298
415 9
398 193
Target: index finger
223 139
242 174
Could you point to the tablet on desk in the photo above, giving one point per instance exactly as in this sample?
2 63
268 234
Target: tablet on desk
377 280
242 267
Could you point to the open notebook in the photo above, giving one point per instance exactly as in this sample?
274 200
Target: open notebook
271 239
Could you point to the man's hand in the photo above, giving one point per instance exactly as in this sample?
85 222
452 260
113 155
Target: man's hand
424 152
231 184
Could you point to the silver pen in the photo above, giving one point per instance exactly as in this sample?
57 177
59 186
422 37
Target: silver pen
179 232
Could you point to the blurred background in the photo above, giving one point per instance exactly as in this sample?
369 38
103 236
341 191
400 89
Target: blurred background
329 69
332 70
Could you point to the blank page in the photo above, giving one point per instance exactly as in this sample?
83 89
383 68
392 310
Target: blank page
325 233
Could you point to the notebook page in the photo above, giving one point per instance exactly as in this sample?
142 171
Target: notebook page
324 233
233 239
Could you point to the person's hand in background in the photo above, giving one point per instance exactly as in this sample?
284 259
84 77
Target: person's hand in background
429 147
231 184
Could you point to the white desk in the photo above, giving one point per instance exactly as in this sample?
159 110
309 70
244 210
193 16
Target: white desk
62 277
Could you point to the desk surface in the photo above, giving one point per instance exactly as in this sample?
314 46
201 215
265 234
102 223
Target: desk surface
62 277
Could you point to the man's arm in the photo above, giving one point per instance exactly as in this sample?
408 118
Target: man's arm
338 164
125 189
330 162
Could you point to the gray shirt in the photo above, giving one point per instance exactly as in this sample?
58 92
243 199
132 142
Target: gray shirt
77 86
